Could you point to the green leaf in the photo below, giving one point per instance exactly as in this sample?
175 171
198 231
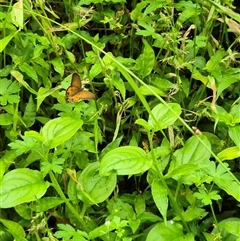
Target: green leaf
29 143
223 179
59 130
55 165
226 81
169 232
46 203
15 229
145 62
189 12
29 113
192 213
20 186
194 154
144 124
29 70
99 188
6 119
67 232
207 197
17 14
215 60
19 77
127 160
160 197
119 84
140 205
164 116
231 225
229 153
137 11
4 41
58 65
24 211
181 170
8 92
145 90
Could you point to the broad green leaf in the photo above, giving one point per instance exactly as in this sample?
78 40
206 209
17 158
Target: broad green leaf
149 217
59 130
193 152
164 116
15 229
192 213
29 70
99 188
227 81
6 160
6 119
24 211
29 113
235 113
46 203
231 225
20 186
4 41
223 179
17 14
95 70
140 205
169 232
106 228
215 60
58 65
87 2
230 186
119 84
145 62
145 91
229 153
127 160
144 124
160 197
111 145
19 77
43 93
182 170
189 12
137 11
192 157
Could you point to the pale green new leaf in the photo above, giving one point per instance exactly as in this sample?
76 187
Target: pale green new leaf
160 197
59 130
164 116
20 186
98 188
126 160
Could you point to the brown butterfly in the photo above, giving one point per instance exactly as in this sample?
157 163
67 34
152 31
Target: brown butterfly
75 91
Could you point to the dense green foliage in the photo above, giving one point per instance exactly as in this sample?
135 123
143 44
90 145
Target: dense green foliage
155 156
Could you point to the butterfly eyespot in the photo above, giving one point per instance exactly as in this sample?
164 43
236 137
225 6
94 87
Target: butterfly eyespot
75 92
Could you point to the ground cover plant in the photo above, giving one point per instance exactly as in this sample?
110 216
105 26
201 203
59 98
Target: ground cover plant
149 148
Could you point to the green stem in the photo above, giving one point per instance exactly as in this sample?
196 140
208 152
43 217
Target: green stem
173 200
70 207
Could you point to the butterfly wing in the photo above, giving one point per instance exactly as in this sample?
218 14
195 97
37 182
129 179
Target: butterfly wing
76 81
75 92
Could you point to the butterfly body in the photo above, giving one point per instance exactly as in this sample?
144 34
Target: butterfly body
75 92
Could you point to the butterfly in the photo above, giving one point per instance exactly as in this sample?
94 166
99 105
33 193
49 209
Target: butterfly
75 91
